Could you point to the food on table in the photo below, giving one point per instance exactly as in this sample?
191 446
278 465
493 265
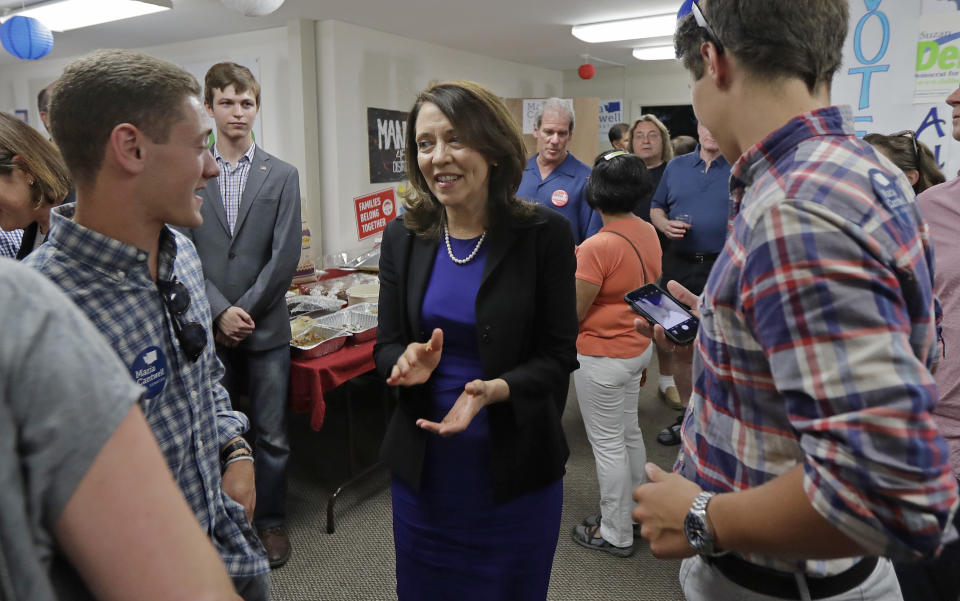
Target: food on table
309 338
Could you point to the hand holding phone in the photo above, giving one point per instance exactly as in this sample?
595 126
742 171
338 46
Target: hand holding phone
658 306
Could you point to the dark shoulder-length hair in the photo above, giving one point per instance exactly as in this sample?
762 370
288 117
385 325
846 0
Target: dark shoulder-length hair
483 124
617 182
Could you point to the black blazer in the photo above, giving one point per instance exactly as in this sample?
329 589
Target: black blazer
526 333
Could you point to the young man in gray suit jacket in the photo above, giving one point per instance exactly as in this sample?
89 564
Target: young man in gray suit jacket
249 245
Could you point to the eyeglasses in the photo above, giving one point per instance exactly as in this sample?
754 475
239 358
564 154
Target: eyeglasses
192 336
692 6
913 139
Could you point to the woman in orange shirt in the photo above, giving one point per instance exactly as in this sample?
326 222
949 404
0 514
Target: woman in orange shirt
622 256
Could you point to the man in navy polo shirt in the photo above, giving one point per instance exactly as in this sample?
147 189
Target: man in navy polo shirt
691 207
554 177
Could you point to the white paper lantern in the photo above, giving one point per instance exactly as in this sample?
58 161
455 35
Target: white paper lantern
253 8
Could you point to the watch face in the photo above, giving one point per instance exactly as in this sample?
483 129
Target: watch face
695 530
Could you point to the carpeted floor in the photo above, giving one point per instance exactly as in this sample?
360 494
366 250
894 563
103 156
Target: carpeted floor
356 563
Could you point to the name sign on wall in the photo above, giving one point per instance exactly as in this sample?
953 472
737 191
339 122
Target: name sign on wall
611 113
386 135
374 211
900 63
938 58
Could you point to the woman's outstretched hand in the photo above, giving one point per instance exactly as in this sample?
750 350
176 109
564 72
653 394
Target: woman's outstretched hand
417 362
476 395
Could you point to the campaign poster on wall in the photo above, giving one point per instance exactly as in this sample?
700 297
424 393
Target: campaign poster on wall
878 75
611 113
374 211
938 58
386 135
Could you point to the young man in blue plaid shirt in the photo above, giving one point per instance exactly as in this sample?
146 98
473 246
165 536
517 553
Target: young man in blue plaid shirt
132 131
808 450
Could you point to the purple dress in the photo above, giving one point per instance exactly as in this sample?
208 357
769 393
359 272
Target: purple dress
452 541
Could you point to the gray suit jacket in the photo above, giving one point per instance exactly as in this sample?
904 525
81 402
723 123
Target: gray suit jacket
253 268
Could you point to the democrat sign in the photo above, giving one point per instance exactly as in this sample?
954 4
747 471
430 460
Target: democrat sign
892 46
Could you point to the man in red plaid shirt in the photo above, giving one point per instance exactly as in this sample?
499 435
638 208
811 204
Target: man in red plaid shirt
809 455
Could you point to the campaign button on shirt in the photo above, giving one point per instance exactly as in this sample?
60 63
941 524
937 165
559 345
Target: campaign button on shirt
560 198
149 370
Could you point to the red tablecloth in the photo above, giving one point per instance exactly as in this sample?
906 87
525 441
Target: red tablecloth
310 378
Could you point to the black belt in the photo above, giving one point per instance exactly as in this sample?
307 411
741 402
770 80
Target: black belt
775 583
697 257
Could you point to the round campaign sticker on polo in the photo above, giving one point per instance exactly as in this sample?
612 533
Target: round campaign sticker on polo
149 370
560 198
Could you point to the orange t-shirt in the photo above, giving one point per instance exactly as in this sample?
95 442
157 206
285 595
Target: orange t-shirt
608 261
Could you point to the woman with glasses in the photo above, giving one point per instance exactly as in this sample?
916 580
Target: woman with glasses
33 180
622 256
650 140
477 334
912 157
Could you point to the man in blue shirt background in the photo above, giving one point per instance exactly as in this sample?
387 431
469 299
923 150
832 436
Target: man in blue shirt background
696 185
555 178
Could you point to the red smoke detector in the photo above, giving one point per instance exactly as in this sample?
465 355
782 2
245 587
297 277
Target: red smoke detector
586 71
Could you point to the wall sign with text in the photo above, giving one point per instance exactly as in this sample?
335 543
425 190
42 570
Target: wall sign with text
374 211
386 135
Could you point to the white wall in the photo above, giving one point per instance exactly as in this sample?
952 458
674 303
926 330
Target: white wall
885 105
20 82
360 68
647 83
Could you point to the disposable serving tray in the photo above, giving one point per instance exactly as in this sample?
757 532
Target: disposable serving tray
361 326
335 339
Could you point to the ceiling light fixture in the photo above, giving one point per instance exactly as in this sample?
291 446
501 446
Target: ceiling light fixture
653 26
654 53
64 15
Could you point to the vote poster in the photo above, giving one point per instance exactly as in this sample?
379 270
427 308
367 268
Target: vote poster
878 77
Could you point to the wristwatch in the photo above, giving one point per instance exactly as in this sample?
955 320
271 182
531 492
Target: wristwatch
695 527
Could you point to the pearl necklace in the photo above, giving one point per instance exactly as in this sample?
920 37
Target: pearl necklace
476 249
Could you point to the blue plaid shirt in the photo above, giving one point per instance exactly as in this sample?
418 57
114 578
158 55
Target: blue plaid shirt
816 336
10 243
184 403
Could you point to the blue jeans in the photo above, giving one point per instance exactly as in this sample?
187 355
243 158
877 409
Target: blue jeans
265 375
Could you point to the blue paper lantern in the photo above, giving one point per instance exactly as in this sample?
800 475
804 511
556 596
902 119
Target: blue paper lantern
25 37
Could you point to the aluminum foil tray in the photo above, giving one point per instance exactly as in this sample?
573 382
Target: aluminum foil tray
333 340
361 326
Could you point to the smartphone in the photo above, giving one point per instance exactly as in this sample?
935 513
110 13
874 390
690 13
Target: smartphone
656 305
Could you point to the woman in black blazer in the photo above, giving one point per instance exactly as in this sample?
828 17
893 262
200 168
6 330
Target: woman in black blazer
477 334
33 180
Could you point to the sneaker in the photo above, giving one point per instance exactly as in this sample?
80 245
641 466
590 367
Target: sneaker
591 539
670 435
593 520
670 397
